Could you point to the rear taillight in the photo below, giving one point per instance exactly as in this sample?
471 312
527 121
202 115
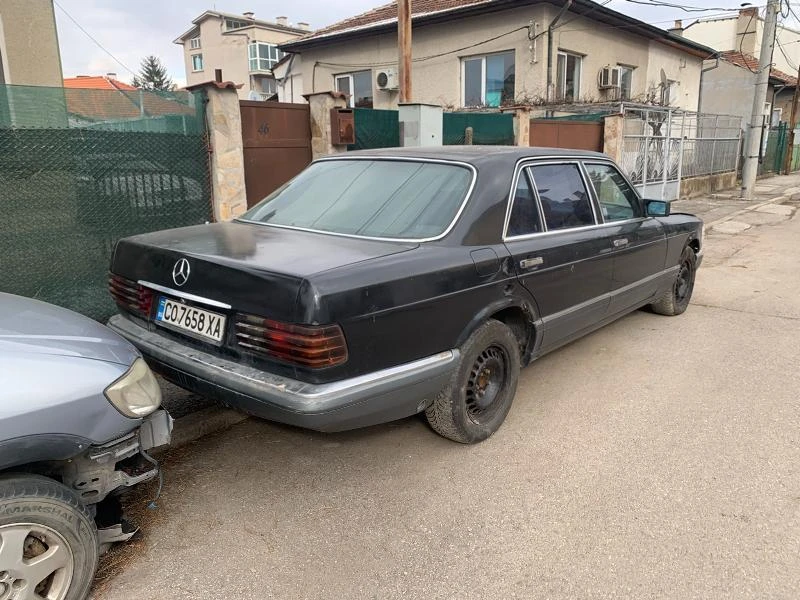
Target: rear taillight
130 296
310 346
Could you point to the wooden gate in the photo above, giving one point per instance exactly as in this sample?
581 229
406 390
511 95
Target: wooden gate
578 135
277 145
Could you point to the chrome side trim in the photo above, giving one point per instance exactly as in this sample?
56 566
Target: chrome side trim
449 228
184 295
608 295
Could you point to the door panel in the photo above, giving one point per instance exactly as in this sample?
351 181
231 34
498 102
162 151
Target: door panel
637 262
567 268
637 242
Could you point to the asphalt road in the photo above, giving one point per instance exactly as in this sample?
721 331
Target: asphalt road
656 458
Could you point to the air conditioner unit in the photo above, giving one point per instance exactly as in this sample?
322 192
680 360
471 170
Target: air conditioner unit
609 77
387 79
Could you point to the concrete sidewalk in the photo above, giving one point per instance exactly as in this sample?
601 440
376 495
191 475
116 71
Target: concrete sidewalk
725 206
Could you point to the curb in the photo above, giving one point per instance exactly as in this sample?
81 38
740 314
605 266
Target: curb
202 423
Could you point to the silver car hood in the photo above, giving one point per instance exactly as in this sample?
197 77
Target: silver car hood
33 327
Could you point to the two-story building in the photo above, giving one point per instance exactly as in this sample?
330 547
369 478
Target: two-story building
245 48
29 43
488 53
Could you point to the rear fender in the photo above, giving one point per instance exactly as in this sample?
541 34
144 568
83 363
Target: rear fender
515 299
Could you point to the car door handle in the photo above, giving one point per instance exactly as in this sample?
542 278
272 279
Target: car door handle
620 242
531 262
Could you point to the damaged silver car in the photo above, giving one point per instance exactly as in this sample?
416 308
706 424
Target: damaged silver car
79 410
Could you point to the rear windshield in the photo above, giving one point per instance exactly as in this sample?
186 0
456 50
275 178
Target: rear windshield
370 198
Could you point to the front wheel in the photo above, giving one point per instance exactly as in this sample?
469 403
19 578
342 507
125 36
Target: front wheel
48 540
475 403
676 300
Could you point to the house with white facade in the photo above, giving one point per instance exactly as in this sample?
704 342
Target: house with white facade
488 53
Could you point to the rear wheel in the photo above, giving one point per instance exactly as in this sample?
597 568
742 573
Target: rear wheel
475 403
676 300
48 541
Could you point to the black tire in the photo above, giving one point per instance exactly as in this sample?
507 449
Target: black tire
476 401
676 300
49 510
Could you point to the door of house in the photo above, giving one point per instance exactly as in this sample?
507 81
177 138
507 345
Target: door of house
277 145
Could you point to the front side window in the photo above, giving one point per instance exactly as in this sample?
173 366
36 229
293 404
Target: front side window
524 218
565 201
197 62
358 86
488 80
568 77
194 43
263 56
370 198
625 82
617 200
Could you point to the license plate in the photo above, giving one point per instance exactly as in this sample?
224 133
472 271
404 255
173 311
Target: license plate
200 322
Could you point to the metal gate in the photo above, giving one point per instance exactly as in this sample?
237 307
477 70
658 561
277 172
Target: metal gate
277 145
578 135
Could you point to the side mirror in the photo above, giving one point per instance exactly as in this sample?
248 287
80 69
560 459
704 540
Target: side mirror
656 208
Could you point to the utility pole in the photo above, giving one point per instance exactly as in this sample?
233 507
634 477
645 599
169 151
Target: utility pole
404 48
750 167
787 162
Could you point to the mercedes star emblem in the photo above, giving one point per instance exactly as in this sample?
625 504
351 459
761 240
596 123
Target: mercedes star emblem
180 272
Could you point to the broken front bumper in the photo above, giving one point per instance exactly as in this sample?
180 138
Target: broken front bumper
121 463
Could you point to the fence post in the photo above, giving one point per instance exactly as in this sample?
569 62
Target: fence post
714 142
665 165
646 151
522 124
613 136
320 105
224 123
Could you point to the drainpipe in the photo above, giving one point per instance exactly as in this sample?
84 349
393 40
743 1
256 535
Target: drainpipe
550 28
700 96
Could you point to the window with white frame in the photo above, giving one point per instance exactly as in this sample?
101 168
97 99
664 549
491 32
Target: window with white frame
263 56
194 43
268 86
625 81
488 80
568 77
197 62
358 86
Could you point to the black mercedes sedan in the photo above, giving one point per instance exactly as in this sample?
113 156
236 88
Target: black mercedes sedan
380 284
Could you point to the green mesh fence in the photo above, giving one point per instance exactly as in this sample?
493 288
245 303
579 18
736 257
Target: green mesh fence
376 128
487 128
77 176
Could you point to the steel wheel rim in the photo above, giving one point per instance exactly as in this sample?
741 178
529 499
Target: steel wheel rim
486 383
683 284
35 562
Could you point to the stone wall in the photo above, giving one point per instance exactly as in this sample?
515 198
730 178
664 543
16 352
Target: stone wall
707 184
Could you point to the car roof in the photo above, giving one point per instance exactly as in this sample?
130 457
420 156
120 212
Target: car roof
474 155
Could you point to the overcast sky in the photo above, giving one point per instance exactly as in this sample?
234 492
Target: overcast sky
131 30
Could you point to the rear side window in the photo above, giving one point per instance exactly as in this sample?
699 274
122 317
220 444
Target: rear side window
617 200
564 198
524 217
370 198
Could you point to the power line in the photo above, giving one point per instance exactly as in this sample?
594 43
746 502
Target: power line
99 45
683 7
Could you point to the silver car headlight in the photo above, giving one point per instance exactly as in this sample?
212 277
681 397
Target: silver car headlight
137 393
